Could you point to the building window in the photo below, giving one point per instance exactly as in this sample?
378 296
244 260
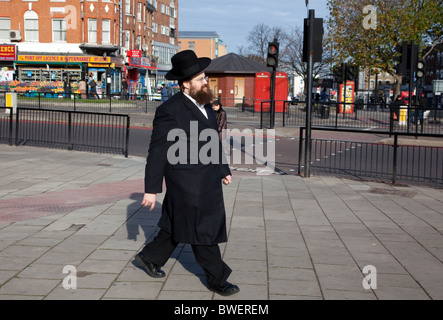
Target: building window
92 30
5 27
139 11
127 6
31 25
138 43
154 27
126 39
59 30
106 31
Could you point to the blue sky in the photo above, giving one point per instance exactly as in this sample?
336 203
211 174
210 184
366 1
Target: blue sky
233 19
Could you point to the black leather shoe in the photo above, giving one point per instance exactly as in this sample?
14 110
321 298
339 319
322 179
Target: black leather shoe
151 268
227 289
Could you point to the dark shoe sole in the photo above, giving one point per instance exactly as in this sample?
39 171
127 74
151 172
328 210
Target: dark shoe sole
225 294
145 267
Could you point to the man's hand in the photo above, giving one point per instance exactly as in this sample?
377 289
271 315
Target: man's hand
149 200
227 180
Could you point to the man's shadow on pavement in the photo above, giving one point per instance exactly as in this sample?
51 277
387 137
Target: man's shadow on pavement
140 218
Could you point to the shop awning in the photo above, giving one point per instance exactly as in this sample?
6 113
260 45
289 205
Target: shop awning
99 50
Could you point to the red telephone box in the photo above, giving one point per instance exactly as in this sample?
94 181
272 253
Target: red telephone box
281 90
263 90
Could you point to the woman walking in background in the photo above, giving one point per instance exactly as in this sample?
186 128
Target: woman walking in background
220 114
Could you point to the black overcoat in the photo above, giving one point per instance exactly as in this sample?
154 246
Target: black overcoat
193 209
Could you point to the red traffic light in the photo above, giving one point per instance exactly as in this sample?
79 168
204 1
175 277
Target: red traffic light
272 49
272 59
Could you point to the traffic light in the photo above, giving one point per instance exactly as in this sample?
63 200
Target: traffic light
272 59
317 40
401 60
338 73
420 69
412 58
351 72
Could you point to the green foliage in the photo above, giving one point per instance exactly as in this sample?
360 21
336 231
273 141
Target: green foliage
397 21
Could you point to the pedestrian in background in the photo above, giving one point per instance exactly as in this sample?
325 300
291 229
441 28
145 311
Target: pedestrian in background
193 210
82 88
396 104
93 87
67 87
220 115
124 94
164 93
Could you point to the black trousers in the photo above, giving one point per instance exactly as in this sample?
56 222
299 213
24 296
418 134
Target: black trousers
208 257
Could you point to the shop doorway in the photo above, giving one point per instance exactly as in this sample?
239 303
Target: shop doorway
99 76
213 85
239 90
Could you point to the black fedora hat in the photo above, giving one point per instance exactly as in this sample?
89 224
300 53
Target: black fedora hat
185 65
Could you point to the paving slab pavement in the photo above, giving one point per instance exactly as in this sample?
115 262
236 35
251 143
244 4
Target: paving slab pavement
65 213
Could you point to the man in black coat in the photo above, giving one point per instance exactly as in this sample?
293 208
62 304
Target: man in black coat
193 209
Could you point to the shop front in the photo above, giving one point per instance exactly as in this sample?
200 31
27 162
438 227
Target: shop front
138 71
8 53
55 72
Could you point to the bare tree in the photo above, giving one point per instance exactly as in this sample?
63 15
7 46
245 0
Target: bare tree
292 57
258 39
290 50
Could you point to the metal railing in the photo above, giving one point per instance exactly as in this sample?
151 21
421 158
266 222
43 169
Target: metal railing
74 130
391 161
112 103
6 125
366 117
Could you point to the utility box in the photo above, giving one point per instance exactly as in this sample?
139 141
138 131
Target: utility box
11 102
403 119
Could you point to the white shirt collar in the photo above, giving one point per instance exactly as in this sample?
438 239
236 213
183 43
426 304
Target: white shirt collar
200 106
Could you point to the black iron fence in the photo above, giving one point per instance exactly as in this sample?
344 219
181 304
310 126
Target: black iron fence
6 125
364 116
112 103
379 117
391 161
73 130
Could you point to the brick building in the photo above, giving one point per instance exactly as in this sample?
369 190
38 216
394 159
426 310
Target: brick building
203 43
233 78
109 39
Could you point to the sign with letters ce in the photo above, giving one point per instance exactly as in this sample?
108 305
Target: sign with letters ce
7 52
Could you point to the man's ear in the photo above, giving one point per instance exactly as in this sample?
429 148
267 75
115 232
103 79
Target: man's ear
186 85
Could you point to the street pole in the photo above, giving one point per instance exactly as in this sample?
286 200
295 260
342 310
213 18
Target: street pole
272 124
309 100
345 82
411 60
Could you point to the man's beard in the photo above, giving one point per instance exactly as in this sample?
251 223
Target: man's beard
202 96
